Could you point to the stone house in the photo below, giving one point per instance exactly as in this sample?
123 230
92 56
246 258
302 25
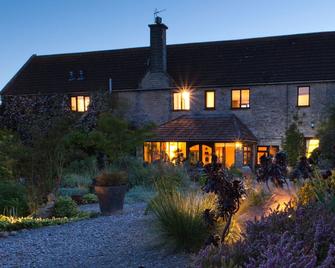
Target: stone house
234 99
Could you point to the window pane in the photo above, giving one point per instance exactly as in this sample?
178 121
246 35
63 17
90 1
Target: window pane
73 103
311 145
303 96
245 98
210 99
87 102
81 104
235 98
185 100
230 154
176 101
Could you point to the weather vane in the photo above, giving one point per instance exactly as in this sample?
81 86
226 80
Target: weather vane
156 12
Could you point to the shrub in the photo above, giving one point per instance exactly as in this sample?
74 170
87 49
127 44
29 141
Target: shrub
75 180
72 191
13 198
180 218
175 175
303 236
115 178
306 193
18 223
326 132
139 194
65 207
90 199
293 144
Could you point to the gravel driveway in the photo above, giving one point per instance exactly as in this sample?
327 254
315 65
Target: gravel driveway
124 240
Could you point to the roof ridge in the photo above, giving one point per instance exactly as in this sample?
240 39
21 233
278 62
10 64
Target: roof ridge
214 42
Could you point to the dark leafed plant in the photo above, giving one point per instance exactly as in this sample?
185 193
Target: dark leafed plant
229 192
303 170
274 170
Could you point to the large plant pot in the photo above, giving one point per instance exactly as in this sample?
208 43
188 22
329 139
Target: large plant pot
111 198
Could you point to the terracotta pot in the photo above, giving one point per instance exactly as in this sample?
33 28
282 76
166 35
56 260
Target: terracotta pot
111 198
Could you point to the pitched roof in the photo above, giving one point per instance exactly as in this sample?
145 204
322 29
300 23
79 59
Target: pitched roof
292 58
223 128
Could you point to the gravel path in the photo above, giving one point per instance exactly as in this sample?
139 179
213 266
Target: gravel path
124 240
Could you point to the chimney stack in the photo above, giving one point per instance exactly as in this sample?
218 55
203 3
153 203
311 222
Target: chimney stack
158 46
157 76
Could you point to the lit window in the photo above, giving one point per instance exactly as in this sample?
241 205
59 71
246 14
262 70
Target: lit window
181 101
303 96
240 98
247 155
311 145
225 153
80 103
266 151
210 99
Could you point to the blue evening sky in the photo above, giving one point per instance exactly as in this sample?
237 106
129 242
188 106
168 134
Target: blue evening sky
59 26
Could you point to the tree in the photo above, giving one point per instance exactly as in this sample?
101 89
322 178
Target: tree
113 137
326 133
293 144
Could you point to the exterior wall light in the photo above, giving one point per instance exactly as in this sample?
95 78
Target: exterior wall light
238 145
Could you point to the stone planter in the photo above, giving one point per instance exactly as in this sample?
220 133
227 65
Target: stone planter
111 198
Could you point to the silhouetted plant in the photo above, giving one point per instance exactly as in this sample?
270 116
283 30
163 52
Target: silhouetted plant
273 169
229 192
303 170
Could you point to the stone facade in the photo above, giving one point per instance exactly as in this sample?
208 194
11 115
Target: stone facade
272 108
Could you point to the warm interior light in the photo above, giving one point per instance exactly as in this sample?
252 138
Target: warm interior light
238 145
185 95
210 99
311 145
303 96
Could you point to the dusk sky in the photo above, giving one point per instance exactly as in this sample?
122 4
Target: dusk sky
62 26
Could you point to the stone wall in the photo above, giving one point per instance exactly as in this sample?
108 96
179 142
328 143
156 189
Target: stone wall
272 108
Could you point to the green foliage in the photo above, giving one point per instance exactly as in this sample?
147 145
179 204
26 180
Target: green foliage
11 152
72 191
293 144
306 194
13 198
65 207
114 178
75 180
112 136
18 223
180 217
87 166
139 194
326 133
90 198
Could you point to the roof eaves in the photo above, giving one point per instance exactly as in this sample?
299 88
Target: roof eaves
3 91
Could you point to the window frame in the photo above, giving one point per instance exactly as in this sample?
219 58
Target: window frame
84 97
309 97
267 151
231 98
181 102
208 91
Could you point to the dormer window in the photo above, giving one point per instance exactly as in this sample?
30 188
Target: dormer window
71 76
81 75
80 103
